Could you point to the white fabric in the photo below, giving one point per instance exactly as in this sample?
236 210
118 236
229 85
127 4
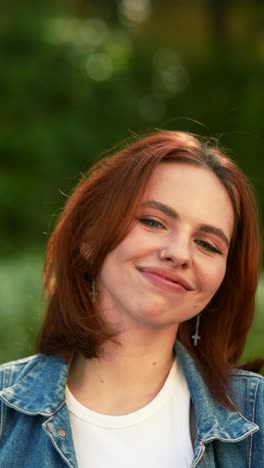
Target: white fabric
156 436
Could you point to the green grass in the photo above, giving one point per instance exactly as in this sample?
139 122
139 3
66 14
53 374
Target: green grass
20 309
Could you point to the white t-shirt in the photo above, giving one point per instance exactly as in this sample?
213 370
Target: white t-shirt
155 436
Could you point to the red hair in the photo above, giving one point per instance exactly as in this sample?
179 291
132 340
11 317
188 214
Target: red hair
98 216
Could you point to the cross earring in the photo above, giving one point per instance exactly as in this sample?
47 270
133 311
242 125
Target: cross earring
196 337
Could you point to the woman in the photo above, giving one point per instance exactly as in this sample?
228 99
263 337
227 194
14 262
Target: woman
158 244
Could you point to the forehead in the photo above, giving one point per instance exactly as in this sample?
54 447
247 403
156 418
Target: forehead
193 192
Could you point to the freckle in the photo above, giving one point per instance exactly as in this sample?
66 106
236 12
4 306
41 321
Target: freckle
101 381
154 363
195 306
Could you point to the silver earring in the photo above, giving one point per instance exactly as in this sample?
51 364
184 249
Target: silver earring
162 254
93 293
196 335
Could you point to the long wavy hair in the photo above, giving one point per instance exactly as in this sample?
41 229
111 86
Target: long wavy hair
97 217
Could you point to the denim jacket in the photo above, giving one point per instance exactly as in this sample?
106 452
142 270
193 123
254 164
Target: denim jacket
35 428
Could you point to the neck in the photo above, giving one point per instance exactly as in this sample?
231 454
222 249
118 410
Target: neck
128 375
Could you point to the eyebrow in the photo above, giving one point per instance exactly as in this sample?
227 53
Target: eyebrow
168 211
214 230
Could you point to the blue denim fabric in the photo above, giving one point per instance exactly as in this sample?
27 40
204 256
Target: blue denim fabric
35 428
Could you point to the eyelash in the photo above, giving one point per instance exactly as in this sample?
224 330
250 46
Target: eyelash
150 222
207 246
153 223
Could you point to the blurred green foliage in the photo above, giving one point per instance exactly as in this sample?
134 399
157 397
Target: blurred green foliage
77 77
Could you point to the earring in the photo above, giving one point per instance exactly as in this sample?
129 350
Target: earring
93 293
162 254
196 335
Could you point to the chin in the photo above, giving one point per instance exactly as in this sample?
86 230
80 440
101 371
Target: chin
156 319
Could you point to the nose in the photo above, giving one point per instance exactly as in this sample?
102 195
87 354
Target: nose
177 252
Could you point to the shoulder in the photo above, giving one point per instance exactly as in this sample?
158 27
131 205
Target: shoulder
14 371
35 384
239 376
247 391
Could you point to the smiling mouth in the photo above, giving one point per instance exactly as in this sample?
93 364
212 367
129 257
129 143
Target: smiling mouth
163 280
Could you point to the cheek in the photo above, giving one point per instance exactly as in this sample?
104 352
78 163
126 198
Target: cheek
107 271
110 275
218 281
213 278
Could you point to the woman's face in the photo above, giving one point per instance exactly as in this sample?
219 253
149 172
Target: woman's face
185 216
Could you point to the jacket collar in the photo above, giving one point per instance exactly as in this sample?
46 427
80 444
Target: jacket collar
41 390
213 421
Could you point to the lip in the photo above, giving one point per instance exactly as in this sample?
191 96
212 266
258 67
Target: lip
166 276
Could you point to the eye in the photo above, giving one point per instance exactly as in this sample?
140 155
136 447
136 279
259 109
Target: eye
207 246
150 222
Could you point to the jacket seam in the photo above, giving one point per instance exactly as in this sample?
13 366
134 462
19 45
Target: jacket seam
7 379
17 362
2 419
238 373
251 437
32 413
10 385
47 430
